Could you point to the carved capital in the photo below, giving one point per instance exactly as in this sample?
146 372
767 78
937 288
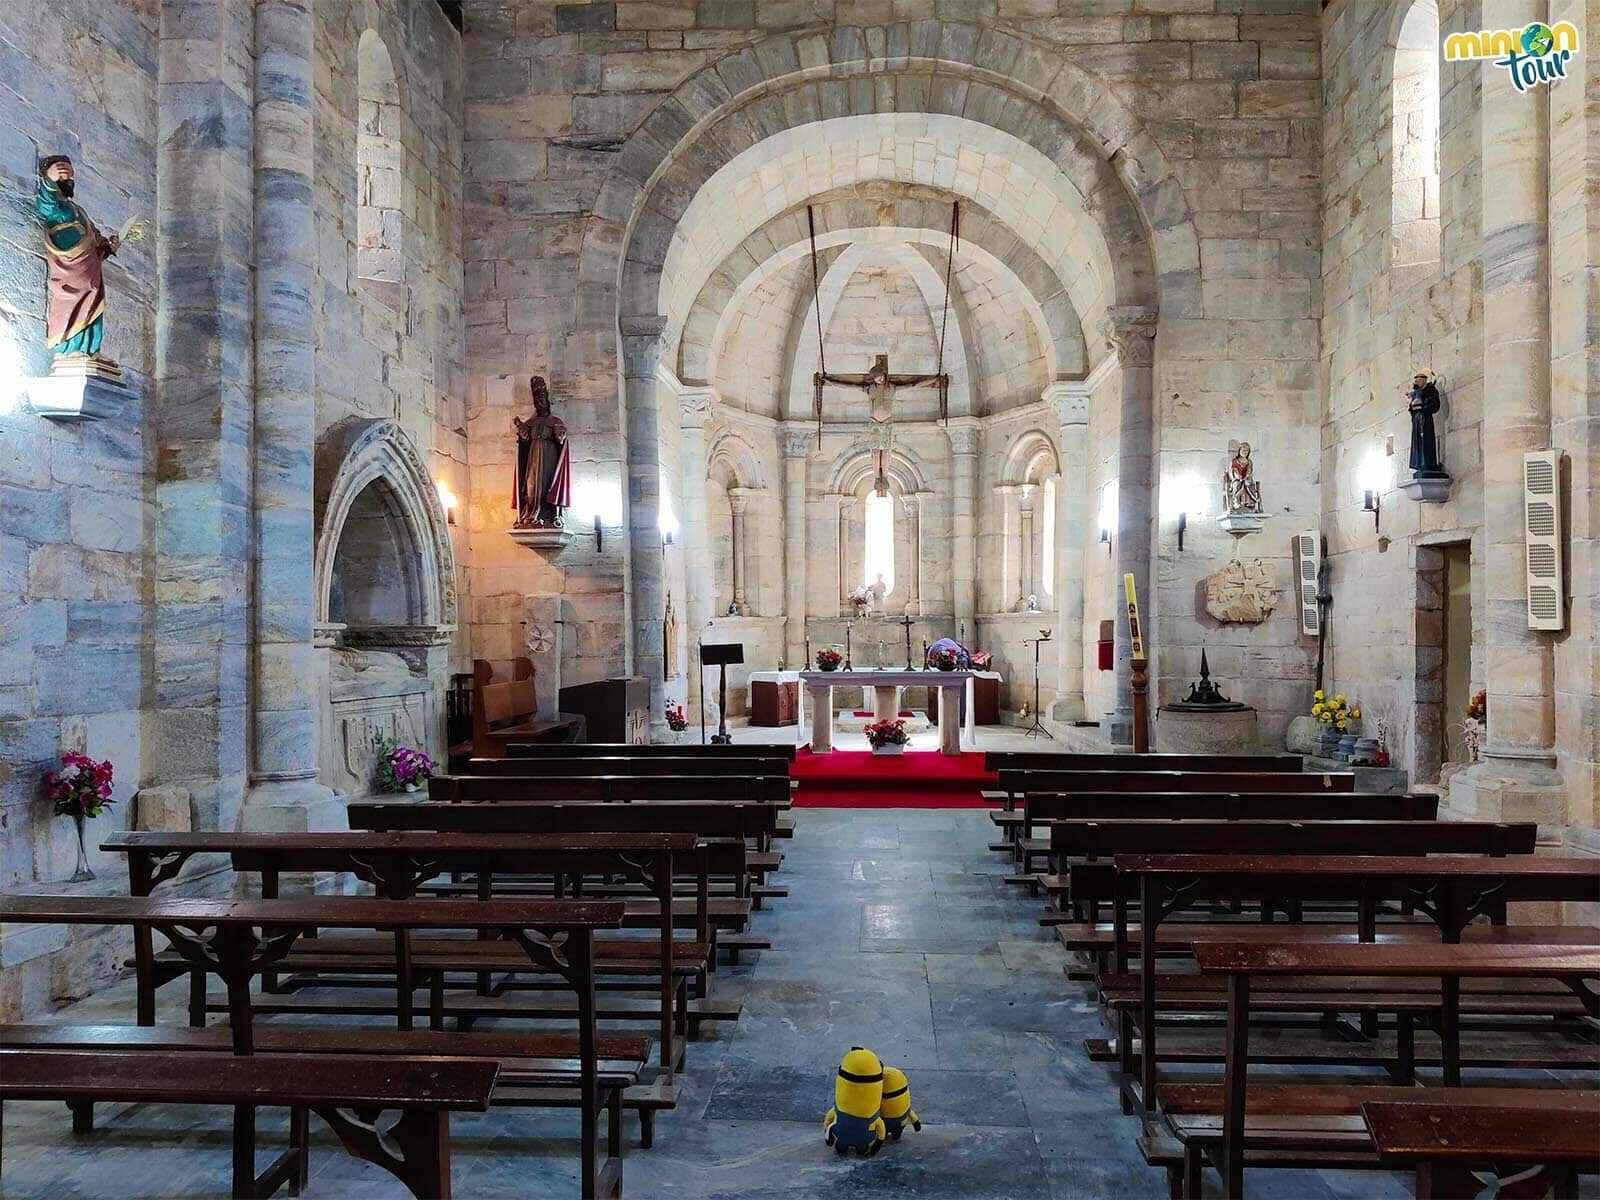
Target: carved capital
1130 330
794 441
963 435
1069 400
695 406
644 337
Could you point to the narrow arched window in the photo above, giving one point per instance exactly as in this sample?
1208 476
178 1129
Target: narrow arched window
878 552
1415 149
1047 554
380 157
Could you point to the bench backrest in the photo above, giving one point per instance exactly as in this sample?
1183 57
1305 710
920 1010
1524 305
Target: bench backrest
1231 806
579 767
1019 782
708 819
1103 839
622 789
1038 760
628 750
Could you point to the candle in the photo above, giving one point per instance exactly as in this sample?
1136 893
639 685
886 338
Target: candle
924 654
808 662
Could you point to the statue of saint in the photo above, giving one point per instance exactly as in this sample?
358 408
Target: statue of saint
74 251
1423 403
1240 491
544 464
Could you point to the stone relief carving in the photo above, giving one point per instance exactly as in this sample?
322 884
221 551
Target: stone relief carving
358 721
1244 592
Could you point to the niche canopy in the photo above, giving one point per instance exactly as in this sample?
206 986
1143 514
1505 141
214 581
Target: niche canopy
879 383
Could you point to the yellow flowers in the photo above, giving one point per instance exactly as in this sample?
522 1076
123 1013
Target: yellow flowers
1335 712
1316 709
1355 714
1319 695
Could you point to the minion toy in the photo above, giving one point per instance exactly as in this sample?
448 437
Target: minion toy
853 1123
897 1110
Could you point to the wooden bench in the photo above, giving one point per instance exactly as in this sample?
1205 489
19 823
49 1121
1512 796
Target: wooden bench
554 750
1039 808
1445 1140
238 940
503 712
1450 891
1245 965
346 1093
701 766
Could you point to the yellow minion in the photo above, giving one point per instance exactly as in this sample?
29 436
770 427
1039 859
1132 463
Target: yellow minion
854 1123
897 1110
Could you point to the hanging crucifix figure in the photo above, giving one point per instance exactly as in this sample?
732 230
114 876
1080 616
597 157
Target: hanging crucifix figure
879 383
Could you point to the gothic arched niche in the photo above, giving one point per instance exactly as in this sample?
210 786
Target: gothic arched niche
385 570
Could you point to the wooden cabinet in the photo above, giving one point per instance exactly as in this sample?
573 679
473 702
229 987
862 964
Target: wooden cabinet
774 703
985 701
617 710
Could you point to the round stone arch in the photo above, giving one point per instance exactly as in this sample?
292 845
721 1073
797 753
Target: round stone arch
852 481
1031 459
373 465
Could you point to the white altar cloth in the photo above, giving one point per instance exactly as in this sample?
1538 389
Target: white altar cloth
886 685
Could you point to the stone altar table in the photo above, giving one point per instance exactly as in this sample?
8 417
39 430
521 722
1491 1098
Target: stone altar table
886 685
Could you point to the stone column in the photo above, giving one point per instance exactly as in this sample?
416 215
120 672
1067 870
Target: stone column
644 565
1027 496
1131 331
843 537
963 433
1517 779
739 501
200 412
1010 541
695 409
1071 404
795 443
913 575
284 792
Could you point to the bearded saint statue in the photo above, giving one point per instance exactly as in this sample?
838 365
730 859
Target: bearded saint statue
74 251
544 464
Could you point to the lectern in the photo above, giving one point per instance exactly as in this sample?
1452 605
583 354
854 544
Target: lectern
718 655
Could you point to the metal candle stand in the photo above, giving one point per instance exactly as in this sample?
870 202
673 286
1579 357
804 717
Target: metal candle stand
1037 729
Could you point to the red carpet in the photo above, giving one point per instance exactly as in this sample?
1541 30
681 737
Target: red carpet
918 779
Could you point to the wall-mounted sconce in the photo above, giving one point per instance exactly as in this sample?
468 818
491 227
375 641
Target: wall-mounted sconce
666 519
447 501
1108 512
1189 495
1373 479
1372 502
1183 525
602 500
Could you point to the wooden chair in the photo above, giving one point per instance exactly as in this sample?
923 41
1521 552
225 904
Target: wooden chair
503 712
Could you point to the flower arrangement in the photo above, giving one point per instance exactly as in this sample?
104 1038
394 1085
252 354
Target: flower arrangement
1477 719
861 597
887 733
400 768
944 660
1337 712
676 721
80 788
829 660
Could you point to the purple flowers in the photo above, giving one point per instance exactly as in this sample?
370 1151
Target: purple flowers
400 768
80 788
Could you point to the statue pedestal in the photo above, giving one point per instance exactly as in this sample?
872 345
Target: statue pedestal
542 539
1428 489
1239 524
1188 732
74 396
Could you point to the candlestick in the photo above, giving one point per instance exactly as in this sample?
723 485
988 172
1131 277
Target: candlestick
847 647
924 654
809 663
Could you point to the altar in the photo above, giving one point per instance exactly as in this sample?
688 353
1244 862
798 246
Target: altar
885 685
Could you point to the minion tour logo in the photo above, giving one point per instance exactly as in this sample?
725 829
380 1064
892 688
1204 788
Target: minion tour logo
1536 54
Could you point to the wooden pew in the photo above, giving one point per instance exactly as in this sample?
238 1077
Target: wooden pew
503 711
1041 807
1445 1141
1450 891
240 939
1241 964
415 1149
551 750
578 767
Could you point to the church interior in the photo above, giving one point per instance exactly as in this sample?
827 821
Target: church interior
689 582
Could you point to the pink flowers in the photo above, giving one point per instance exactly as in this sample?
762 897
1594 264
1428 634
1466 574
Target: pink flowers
81 787
402 769
676 720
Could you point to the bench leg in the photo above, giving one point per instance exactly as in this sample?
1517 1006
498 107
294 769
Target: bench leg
1446 1181
244 1152
1193 1162
82 1115
1405 1047
647 1127
300 1147
197 998
415 1149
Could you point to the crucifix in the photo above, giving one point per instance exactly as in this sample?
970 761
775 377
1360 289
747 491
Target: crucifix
879 383
907 622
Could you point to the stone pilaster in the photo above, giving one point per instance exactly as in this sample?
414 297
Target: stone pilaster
284 791
645 592
1070 402
795 443
1010 538
201 416
964 441
1516 780
695 409
916 605
1130 332
739 503
1027 503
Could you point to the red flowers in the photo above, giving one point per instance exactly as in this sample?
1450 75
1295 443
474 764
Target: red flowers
676 720
81 787
1478 709
887 733
828 660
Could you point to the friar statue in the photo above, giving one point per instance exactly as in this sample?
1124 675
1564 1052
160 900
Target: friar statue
74 251
544 464
1240 491
1422 401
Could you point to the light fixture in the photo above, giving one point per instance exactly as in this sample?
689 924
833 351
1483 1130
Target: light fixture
1372 502
1373 478
1183 525
1189 495
1108 512
601 500
447 501
667 520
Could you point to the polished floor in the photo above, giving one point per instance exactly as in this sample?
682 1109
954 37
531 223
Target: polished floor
898 934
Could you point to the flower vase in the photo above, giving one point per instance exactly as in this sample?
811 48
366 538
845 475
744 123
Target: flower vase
1328 744
890 748
83 871
1347 747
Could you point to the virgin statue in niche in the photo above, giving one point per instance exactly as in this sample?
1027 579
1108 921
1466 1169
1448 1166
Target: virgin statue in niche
544 464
